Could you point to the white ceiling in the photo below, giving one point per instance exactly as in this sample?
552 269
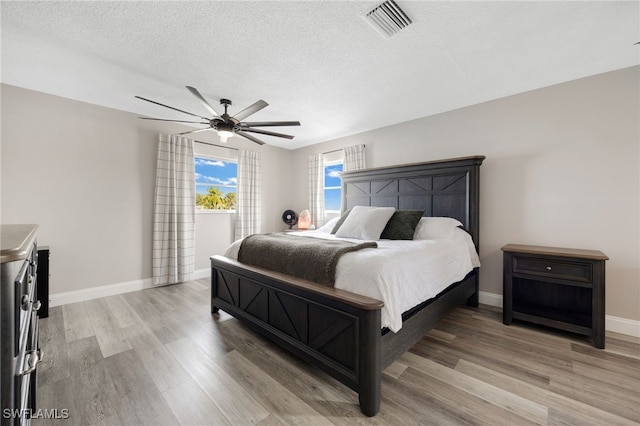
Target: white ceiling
318 62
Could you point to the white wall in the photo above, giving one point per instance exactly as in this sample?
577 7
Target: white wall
562 170
214 233
86 175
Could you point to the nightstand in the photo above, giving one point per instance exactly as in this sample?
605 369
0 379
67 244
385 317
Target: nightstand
555 287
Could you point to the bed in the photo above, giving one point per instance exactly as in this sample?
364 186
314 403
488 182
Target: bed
340 331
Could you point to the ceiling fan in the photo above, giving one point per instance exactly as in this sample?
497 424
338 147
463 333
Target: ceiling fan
225 124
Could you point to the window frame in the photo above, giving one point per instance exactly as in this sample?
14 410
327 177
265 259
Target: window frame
328 163
223 159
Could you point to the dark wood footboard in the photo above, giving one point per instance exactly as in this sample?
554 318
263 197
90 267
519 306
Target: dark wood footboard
335 330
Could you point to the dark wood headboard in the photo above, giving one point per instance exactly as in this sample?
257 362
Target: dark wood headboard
440 188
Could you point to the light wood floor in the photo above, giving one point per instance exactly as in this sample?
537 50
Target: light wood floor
159 357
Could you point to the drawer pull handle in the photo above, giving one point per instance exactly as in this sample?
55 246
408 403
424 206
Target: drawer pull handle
548 268
34 359
24 302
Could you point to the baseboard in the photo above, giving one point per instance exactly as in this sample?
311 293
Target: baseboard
622 325
615 324
58 299
490 299
201 273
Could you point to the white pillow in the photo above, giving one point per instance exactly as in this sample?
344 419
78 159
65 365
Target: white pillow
328 227
434 228
365 223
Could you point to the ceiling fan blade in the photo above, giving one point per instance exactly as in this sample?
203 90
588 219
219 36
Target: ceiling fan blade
175 109
265 132
195 131
202 100
175 121
251 109
251 138
270 123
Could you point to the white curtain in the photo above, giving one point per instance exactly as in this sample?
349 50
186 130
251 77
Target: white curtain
316 189
174 211
354 158
249 199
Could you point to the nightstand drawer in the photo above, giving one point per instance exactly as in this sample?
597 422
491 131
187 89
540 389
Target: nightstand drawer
575 271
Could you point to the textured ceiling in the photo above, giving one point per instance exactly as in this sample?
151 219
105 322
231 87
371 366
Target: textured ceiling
318 62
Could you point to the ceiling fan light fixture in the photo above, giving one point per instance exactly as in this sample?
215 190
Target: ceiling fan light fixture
225 131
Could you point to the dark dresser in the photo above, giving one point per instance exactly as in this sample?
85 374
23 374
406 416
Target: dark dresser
556 287
19 348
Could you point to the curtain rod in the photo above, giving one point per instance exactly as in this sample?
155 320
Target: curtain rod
236 149
214 144
335 150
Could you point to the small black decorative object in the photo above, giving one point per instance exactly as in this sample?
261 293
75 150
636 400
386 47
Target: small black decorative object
290 218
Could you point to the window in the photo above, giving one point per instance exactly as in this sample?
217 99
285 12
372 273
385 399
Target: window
332 186
216 182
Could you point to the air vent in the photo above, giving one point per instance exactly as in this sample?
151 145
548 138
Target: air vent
387 18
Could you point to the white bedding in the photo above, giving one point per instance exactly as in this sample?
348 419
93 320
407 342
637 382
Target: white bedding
401 273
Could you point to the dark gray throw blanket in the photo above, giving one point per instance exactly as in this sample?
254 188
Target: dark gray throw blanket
310 258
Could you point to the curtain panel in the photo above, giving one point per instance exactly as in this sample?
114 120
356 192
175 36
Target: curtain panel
249 196
316 189
354 158
174 212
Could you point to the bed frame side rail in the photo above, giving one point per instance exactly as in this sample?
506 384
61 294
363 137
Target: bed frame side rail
419 324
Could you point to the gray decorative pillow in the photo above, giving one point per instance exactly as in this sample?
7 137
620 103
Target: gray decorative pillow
402 225
341 221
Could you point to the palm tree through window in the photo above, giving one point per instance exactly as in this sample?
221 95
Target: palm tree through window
216 184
